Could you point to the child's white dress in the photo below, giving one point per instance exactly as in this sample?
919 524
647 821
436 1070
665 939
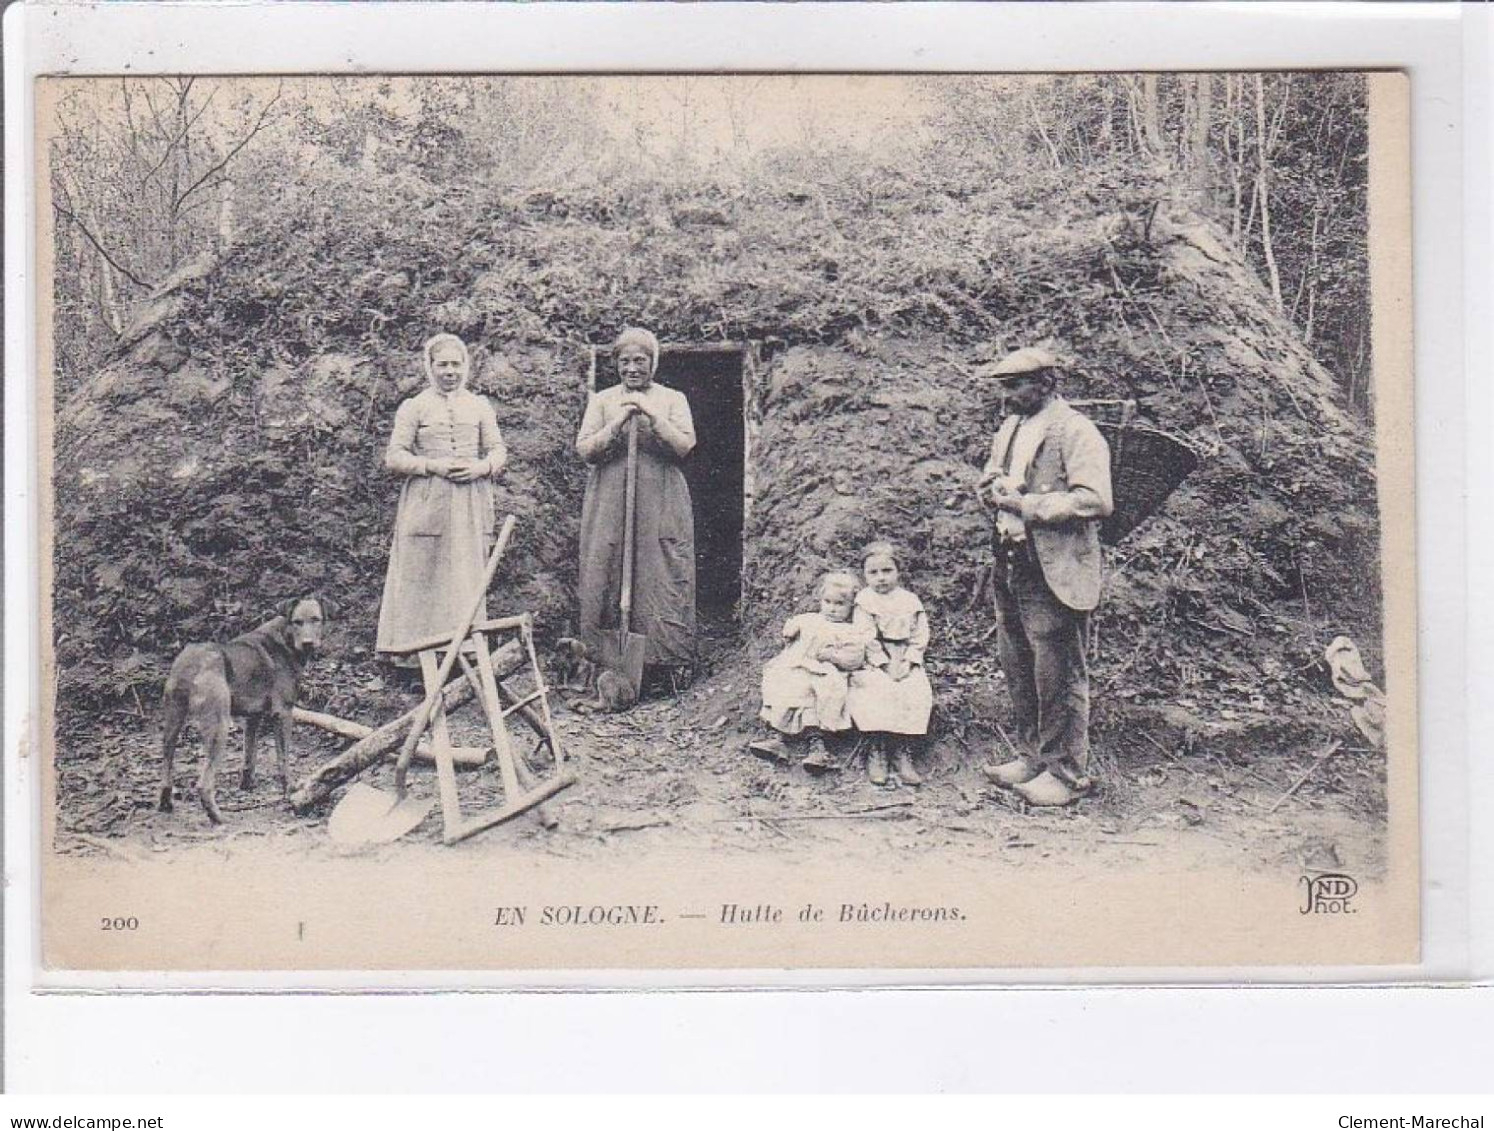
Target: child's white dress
802 690
900 627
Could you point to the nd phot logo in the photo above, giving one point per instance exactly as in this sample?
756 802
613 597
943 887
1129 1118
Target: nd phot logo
1328 894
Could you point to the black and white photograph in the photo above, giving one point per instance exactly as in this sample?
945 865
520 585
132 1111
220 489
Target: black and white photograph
944 521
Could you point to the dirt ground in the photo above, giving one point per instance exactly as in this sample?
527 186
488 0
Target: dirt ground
673 775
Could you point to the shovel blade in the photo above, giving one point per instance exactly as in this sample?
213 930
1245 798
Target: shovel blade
370 816
622 654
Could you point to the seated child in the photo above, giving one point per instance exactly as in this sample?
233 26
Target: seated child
805 686
891 697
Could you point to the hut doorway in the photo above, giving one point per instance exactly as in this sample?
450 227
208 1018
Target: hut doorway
713 378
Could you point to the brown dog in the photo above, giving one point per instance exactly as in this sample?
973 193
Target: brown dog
256 677
579 671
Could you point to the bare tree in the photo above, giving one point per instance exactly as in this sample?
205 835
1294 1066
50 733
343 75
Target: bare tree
1263 188
143 176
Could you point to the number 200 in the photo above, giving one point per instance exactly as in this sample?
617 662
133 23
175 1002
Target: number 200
119 923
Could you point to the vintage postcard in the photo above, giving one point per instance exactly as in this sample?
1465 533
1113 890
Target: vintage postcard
945 523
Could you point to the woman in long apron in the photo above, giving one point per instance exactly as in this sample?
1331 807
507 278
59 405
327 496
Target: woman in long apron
447 446
664 555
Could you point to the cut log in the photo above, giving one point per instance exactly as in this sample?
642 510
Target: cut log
317 786
469 756
343 728
369 751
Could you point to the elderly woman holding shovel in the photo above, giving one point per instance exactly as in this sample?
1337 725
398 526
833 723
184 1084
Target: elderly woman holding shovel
447 447
633 436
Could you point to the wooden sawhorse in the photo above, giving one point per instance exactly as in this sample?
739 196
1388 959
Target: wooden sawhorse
520 791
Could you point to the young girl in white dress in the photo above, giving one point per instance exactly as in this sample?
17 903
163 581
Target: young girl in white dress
806 686
891 698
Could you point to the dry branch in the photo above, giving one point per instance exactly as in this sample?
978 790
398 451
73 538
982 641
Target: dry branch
871 813
233 152
347 728
385 740
77 222
1332 749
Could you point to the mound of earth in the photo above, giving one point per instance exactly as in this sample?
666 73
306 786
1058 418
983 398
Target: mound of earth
230 455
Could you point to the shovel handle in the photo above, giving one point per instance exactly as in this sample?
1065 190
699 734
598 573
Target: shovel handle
630 516
433 696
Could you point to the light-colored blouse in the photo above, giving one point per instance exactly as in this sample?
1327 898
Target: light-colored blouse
822 645
897 619
436 425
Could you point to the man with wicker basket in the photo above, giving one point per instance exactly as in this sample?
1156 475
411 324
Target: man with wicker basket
1048 482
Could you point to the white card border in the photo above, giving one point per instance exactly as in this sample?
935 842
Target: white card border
1434 42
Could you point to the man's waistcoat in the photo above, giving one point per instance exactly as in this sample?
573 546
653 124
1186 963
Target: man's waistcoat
1071 454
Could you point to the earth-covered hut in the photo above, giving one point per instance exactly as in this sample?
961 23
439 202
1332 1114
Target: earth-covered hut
229 454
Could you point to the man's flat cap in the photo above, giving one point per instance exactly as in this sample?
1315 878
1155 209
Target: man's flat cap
1028 360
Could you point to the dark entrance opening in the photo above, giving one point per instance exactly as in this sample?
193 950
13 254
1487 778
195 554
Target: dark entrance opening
712 379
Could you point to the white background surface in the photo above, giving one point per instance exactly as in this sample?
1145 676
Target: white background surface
1069 1039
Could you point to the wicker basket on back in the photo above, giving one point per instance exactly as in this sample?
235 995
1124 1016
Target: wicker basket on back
1146 465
